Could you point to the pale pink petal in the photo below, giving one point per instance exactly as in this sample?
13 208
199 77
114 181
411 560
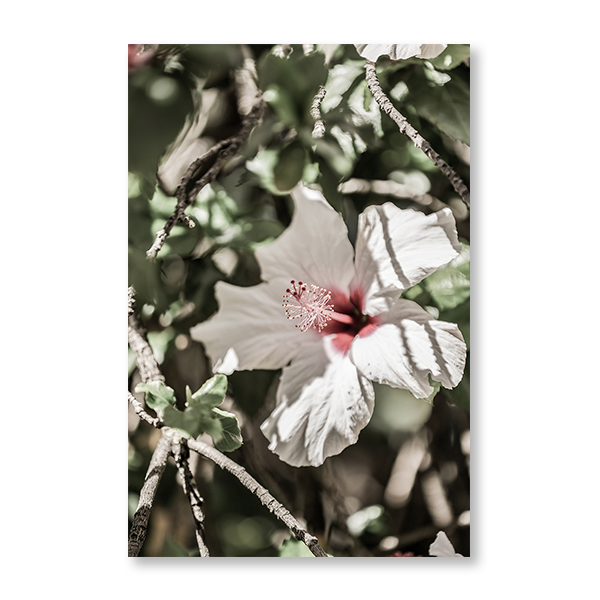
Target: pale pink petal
407 346
442 547
323 404
315 247
399 51
250 330
395 249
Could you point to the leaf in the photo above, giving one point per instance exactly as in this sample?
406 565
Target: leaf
451 57
294 548
216 385
450 286
201 415
446 106
159 397
289 166
231 437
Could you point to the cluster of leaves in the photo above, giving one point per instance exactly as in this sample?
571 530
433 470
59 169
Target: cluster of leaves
248 205
200 414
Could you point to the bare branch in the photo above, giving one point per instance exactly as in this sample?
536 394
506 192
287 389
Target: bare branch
138 342
142 414
261 493
315 112
182 455
201 173
407 129
139 527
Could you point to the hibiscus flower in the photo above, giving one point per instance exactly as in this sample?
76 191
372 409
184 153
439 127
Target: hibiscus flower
332 318
398 51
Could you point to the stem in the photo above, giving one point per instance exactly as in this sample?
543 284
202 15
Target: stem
261 493
196 177
139 527
182 456
407 129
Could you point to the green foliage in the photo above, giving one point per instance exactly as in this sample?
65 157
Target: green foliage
200 414
450 286
294 548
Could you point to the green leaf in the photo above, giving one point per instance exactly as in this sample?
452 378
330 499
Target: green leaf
290 84
446 106
289 166
450 286
159 397
231 437
201 415
451 57
294 548
215 386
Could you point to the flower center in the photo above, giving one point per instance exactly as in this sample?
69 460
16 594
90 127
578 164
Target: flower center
315 307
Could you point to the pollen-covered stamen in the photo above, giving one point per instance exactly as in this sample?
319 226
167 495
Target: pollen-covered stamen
311 306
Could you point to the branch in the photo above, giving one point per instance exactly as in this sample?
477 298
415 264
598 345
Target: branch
198 175
142 414
407 129
146 363
139 527
182 455
261 493
315 112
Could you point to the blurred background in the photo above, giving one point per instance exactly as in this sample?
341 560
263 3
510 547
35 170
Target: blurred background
407 477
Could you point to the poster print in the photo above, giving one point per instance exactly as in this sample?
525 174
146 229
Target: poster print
299 300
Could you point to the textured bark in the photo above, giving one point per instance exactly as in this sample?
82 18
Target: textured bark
139 527
261 493
202 172
407 129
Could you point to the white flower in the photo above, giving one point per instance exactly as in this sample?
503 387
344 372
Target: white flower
442 547
397 51
351 325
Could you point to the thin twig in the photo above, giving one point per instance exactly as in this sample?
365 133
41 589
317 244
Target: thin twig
139 527
261 493
407 129
142 414
315 112
182 455
198 175
146 363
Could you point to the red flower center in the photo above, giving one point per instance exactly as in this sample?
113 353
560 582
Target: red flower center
329 312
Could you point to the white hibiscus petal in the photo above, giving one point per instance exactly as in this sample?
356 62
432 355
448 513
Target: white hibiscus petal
315 247
396 249
250 330
407 346
442 547
431 50
395 51
323 404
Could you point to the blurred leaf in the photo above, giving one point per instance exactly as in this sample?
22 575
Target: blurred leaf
450 286
231 437
289 167
446 106
159 396
451 57
172 549
290 84
294 548
158 105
